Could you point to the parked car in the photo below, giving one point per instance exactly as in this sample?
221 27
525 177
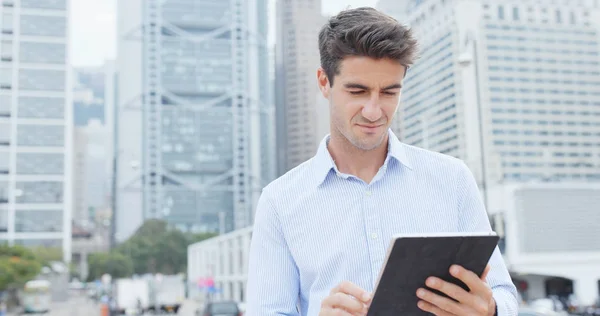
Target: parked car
224 308
531 311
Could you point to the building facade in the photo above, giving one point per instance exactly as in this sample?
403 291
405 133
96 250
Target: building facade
299 115
194 119
225 260
512 88
552 237
35 124
80 176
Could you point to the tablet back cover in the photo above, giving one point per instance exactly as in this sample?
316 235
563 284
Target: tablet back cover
412 260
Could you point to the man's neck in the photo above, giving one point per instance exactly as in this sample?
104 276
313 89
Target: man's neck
363 164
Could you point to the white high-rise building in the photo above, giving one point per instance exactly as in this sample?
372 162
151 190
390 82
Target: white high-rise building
80 168
513 89
194 119
515 80
35 124
299 114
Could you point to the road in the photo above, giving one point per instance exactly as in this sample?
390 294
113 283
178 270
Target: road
82 306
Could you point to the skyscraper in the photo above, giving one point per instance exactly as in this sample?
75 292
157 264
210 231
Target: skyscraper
194 114
512 88
35 124
296 63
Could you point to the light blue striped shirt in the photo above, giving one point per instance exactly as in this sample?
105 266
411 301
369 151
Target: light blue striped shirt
316 227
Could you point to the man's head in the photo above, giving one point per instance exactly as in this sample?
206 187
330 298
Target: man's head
364 57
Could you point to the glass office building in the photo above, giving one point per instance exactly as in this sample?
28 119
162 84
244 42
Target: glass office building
194 115
35 124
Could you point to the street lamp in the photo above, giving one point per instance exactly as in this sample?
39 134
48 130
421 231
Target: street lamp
465 59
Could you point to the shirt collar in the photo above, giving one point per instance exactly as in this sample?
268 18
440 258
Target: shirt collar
323 162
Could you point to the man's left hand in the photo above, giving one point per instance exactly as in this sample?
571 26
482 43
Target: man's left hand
478 301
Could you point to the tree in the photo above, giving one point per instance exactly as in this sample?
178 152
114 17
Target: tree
194 238
17 266
45 255
158 248
113 263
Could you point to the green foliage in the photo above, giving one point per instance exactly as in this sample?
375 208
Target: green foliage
194 238
154 248
45 255
17 266
115 264
157 248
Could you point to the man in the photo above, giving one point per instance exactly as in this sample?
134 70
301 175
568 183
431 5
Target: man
322 230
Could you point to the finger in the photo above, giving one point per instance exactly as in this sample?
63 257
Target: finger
440 302
354 290
452 290
335 312
345 302
471 279
485 272
430 308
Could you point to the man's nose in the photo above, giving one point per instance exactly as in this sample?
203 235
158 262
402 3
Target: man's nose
372 110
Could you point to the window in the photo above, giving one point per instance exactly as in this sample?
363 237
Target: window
5 78
36 25
558 17
5 104
40 135
44 4
516 14
7 23
4 133
3 217
572 15
38 163
47 53
44 221
48 80
6 48
501 12
41 107
40 192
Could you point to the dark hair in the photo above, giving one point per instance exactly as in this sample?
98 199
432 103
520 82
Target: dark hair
364 32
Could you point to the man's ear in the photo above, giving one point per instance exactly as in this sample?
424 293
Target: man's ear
323 82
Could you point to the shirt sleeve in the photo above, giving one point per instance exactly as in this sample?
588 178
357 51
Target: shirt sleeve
273 277
473 218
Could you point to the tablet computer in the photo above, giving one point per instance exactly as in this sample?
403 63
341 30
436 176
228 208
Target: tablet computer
412 258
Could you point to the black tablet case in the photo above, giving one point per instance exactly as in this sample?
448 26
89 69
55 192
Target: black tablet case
412 260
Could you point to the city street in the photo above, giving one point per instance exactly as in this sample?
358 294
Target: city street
82 306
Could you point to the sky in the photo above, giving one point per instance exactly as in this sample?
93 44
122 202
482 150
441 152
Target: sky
94 27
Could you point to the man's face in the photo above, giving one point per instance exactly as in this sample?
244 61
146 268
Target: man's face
363 99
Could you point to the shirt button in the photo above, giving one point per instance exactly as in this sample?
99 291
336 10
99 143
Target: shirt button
374 235
368 193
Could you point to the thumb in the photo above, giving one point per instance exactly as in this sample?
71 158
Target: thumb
485 272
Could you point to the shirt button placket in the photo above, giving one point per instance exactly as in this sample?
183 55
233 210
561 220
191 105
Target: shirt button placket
373 230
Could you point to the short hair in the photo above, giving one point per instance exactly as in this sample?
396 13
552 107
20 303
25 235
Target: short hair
364 32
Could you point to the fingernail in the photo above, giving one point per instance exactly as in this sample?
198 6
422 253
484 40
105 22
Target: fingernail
454 270
366 297
431 282
420 292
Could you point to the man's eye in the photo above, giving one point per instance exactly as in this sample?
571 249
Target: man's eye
357 92
390 93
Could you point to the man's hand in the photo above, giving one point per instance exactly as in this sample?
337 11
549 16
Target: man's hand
478 301
346 299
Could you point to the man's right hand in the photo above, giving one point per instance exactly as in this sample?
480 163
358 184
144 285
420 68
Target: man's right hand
346 299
